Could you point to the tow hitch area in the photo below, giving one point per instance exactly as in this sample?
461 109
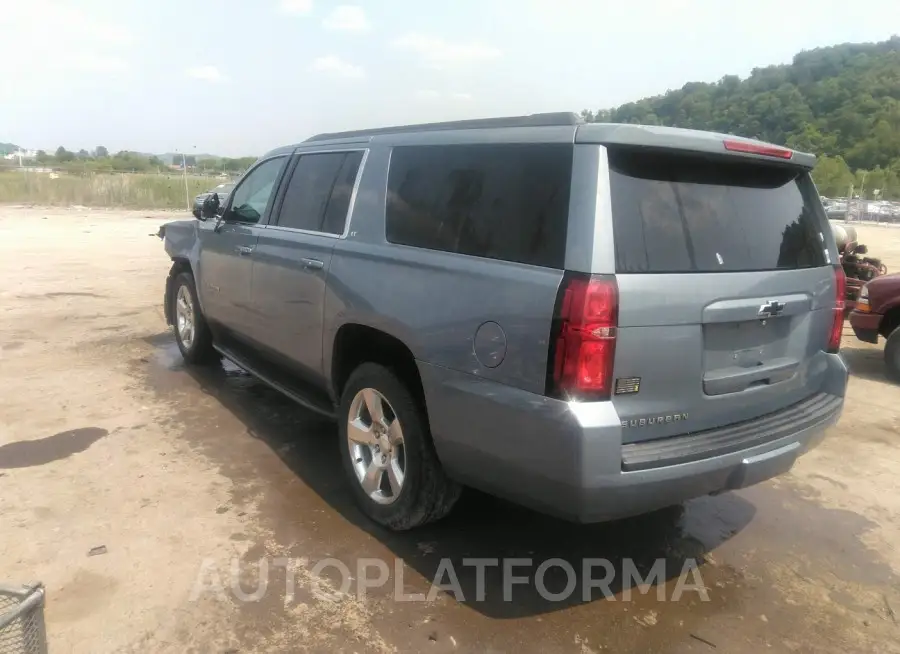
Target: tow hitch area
755 469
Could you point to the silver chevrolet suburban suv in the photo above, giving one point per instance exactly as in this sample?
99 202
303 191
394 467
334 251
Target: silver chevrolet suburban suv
592 320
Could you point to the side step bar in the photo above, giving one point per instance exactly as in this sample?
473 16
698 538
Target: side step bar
271 376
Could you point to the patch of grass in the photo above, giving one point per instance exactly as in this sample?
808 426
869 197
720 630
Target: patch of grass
136 191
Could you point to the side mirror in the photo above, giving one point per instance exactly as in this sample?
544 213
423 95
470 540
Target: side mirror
210 207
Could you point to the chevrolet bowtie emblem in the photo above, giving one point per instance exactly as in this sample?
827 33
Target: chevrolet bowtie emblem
770 308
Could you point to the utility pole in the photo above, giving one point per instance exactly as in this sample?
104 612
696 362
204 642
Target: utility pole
187 194
862 206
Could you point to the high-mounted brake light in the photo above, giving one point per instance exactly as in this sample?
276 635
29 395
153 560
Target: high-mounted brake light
755 148
837 322
582 353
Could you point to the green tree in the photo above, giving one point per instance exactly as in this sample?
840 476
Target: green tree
63 155
100 152
832 176
42 157
126 161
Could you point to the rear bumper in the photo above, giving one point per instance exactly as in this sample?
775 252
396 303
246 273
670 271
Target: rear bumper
567 459
865 325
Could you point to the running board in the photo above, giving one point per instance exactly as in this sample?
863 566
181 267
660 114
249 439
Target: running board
276 379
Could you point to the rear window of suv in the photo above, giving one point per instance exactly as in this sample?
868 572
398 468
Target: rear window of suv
500 201
676 212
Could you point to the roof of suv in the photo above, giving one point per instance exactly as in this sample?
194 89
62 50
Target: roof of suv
571 126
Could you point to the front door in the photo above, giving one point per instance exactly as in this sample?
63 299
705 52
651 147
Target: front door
227 246
224 283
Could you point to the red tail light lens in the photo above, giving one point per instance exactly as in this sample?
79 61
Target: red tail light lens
585 338
754 148
837 324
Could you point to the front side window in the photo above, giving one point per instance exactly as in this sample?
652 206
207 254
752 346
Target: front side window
499 201
252 196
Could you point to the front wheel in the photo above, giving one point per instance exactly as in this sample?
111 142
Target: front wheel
388 456
191 331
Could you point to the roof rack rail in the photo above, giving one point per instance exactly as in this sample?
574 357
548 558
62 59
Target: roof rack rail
561 118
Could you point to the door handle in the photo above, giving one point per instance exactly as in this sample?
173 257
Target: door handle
312 264
244 250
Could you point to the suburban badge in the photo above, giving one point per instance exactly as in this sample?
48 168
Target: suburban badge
655 420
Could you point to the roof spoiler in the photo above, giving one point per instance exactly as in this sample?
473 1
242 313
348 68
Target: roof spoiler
689 140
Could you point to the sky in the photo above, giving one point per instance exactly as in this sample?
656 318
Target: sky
238 77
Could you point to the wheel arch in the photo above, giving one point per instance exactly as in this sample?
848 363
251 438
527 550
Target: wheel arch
891 321
179 265
356 343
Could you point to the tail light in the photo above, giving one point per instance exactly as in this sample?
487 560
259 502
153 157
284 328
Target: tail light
583 339
837 324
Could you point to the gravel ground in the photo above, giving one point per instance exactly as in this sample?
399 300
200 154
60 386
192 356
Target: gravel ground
106 439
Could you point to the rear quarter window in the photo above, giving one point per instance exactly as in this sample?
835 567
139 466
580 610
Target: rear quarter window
683 213
508 201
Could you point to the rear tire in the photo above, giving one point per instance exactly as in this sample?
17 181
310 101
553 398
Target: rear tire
192 333
381 450
892 355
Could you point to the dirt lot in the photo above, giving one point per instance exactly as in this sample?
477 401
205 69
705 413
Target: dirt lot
106 439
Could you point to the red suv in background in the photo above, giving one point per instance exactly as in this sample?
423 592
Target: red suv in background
877 312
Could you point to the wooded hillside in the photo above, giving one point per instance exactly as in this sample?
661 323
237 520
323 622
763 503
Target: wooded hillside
840 102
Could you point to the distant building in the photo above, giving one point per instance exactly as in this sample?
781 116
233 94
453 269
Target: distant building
25 154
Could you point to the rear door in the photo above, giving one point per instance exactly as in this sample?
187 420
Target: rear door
726 289
293 256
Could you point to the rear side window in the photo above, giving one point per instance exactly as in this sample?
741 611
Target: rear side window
508 202
317 196
683 213
339 203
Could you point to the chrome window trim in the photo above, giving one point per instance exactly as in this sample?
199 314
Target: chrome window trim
297 230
